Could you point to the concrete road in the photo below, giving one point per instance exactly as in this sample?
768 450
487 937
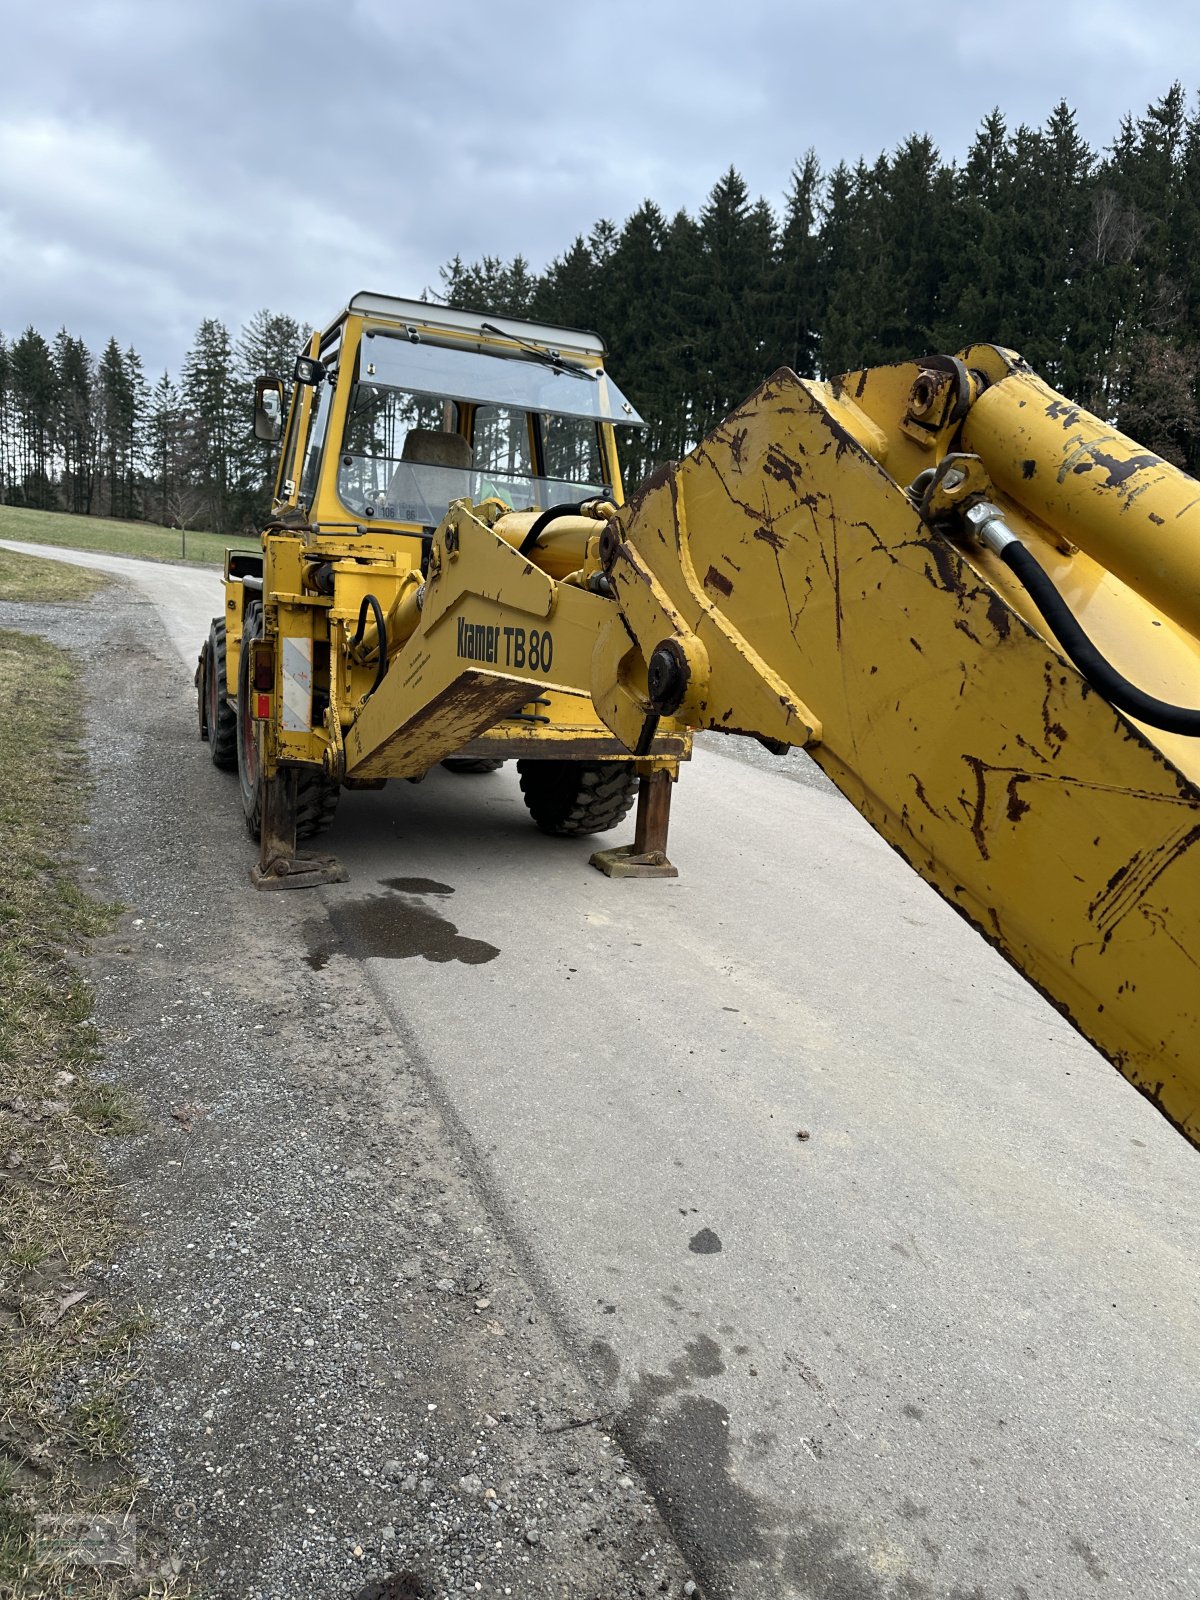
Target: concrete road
891 1282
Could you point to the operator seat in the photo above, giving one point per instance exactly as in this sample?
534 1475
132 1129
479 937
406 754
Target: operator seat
426 447
423 497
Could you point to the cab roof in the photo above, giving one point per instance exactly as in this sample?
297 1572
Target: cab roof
455 322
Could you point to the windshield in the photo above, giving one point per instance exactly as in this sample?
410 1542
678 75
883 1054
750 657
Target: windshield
407 455
518 379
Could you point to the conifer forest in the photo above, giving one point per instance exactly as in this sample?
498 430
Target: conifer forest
1087 261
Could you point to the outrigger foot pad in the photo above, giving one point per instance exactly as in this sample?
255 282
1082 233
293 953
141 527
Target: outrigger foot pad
299 872
625 861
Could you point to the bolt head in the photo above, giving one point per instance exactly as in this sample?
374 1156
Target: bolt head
667 677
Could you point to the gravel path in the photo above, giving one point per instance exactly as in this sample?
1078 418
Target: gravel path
349 1375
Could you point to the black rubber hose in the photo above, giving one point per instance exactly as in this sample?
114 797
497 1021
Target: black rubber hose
544 521
1101 674
369 601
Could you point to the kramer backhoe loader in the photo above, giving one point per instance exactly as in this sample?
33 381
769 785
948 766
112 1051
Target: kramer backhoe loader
977 606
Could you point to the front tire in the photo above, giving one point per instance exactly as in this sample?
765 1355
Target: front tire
220 718
574 798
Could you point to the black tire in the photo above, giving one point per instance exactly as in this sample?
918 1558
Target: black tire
316 796
316 802
471 764
220 719
249 766
570 798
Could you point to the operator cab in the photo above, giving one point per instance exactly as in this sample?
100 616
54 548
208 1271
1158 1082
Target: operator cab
424 405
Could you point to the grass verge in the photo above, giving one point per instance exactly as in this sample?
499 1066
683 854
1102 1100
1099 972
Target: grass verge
145 539
27 578
64 1355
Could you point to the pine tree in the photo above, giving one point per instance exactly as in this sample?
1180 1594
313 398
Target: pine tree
210 406
33 391
75 421
6 443
503 288
566 292
119 387
162 436
639 306
726 291
798 289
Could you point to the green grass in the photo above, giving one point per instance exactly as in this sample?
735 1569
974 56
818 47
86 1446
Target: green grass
144 539
65 1357
27 578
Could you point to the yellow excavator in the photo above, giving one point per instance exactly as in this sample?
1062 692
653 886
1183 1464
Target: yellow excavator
976 606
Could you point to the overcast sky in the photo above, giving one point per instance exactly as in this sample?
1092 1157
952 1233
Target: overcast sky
164 162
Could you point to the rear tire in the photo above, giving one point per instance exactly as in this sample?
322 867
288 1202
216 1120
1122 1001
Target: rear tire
316 795
220 718
572 798
249 763
471 764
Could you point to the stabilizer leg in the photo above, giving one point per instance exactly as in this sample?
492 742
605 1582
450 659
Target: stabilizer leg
280 865
646 857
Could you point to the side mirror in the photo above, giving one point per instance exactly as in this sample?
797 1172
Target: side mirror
268 409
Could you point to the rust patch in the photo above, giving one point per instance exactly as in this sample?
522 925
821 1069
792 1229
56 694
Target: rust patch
1028 469
717 580
1156 519
920 789
1061 411
999 614
1053 732
781 467
979 768
737 443
1016 807
1118 471
949 567
769 536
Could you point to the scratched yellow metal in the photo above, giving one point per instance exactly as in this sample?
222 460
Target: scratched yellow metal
1062 830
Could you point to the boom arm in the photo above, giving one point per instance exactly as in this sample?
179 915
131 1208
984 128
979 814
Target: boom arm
810 574
1067 833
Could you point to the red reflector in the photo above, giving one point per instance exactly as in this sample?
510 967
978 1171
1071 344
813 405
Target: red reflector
264 707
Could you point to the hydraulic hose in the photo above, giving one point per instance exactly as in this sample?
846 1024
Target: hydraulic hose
543 522
1099 672
372 604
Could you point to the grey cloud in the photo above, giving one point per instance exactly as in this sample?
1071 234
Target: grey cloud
209 160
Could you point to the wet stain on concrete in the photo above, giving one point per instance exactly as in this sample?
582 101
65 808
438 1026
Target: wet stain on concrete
735 1540
416 885
396 926
705 1243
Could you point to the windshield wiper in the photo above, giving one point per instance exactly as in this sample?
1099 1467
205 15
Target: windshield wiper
550 358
